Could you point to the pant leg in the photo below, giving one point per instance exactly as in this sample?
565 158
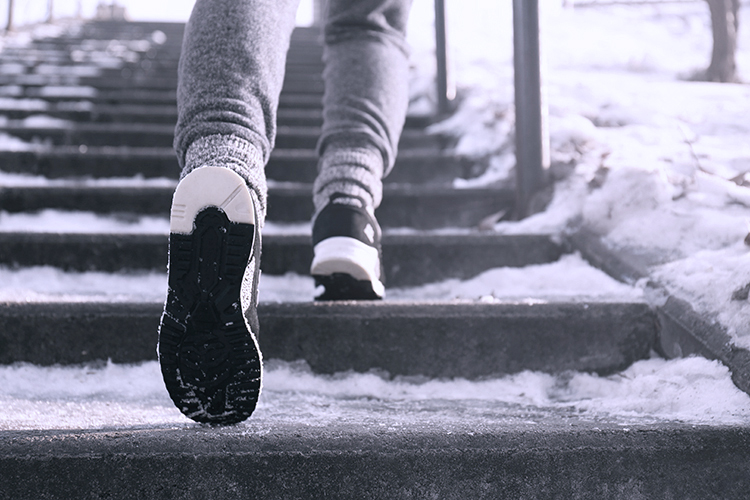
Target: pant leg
366 97
231 72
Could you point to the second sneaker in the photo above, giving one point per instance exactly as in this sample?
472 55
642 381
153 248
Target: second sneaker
347 252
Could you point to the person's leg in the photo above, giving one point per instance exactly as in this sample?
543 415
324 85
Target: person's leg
364 107
230 76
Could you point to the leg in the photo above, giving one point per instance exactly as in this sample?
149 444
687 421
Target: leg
230 77
364 107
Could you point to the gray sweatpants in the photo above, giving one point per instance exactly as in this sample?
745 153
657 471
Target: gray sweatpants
231 73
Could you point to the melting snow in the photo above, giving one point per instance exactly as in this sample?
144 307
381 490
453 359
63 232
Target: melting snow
692 390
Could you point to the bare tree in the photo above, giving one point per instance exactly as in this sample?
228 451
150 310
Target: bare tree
724 23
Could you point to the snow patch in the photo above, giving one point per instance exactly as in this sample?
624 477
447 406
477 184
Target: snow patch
692 390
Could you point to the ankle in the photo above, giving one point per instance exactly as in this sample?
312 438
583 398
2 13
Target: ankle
236 154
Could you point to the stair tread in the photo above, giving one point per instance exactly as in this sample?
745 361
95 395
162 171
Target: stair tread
419 206
428 165
408 259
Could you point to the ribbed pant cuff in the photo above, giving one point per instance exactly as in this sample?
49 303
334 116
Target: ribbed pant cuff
356 172
236 154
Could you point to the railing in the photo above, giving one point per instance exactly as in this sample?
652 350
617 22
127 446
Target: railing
532 135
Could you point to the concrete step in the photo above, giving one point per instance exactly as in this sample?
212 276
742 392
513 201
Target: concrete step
164 114
408 259
133 96
131 51
436 340
84 62
384 450
162 136
420 207
415 166
312 84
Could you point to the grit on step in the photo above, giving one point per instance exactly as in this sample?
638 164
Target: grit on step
438 340
419 207
286 165
385 450
408 259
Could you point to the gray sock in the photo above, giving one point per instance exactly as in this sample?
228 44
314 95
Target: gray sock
236 154
355 171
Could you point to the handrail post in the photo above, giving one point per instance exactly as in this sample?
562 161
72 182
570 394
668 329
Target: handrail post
532 136
9 25
446 91
50 12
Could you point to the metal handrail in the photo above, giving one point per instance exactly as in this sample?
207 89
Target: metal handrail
532 135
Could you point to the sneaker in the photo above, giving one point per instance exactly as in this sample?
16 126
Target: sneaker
208 349
347 253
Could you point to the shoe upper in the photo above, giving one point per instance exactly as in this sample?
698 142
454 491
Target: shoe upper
341 218
347 259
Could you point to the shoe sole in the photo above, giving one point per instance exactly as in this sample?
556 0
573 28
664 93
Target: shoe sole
336 258
207 349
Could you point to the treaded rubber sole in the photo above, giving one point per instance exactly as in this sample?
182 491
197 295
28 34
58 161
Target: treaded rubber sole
208 352
342 286
348 269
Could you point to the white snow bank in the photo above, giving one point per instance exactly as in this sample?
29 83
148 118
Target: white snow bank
660 164
711 280
689 390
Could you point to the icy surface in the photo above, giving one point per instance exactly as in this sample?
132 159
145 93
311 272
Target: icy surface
691 390
568 278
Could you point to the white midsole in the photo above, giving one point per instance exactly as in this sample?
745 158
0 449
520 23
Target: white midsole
210 187
341 254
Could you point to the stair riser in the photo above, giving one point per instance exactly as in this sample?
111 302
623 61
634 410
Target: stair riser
420 210
283 166
158 97
31 83
168 115
407 261
402 339
155 136
462 472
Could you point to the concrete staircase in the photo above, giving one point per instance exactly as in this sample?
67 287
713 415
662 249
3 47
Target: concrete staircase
107 91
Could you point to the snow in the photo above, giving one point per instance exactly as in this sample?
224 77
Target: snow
570 278
691 390
658 162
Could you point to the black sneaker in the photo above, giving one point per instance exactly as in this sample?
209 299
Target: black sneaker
347 253
207 349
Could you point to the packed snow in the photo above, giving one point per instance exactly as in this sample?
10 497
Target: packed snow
692 390
652 161
570 278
